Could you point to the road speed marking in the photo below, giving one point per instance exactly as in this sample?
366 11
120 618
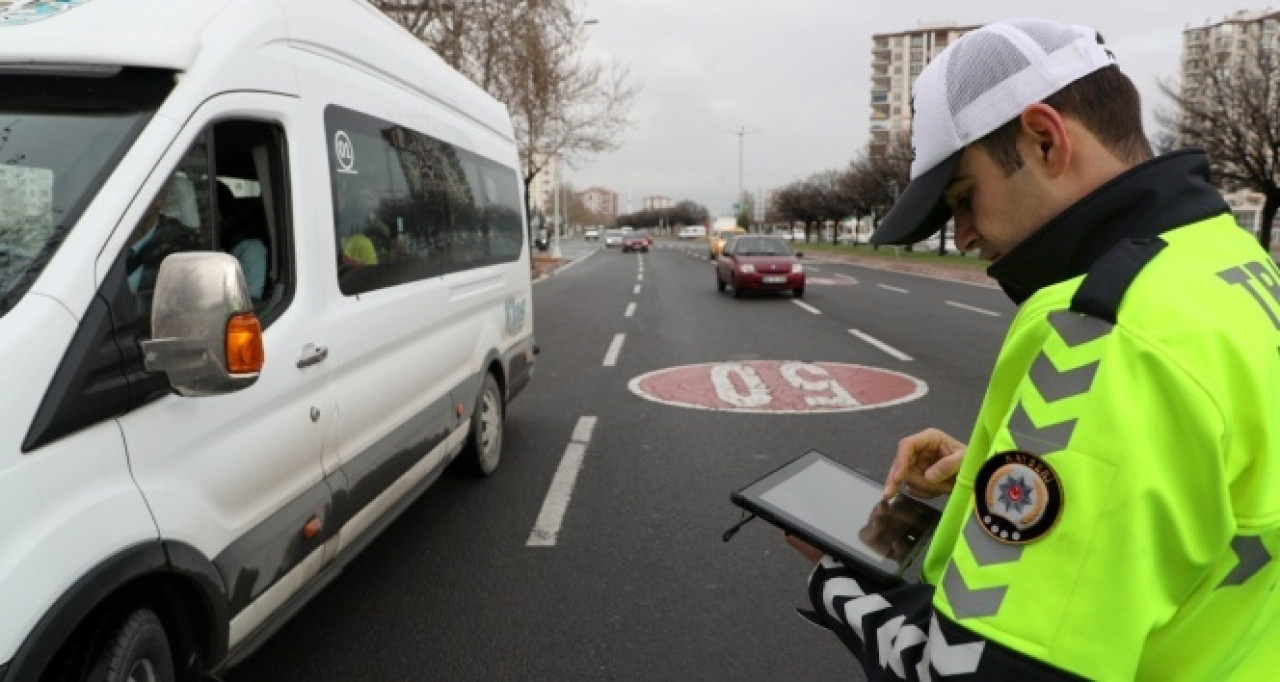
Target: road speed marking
778 387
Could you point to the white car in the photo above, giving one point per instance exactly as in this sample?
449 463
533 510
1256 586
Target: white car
612 238
591 233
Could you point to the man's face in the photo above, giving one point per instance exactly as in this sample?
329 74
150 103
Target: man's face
993 211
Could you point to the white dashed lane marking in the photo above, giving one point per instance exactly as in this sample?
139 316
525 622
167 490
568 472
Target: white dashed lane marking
881 345
547 527
807 307
976 310
611 357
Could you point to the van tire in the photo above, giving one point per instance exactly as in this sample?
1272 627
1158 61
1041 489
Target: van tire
483 451
136 649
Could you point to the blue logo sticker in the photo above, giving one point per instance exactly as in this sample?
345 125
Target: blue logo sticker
19 12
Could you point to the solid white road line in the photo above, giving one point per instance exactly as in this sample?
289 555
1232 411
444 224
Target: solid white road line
631 309
611 357
547 527
636 290
806 306
881 345
851 278
886 286
976 310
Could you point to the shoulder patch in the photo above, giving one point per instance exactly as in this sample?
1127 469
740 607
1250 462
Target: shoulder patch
1017 497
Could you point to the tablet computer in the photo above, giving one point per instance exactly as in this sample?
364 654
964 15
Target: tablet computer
842 513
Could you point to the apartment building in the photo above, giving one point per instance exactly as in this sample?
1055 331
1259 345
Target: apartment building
896 61
599 201
1224 44
542 191
657 203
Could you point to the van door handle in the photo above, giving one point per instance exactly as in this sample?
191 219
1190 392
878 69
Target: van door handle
312 355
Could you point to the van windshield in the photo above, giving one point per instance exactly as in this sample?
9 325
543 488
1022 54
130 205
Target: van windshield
61 133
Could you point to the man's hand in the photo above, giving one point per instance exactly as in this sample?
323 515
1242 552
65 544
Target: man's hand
813 554
927 463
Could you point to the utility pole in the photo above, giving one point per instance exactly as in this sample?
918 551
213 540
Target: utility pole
742 132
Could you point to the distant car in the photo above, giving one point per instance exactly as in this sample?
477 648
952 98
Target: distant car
762 263
612 238
719 235
635 241
591 233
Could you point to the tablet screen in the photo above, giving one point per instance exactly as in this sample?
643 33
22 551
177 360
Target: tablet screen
843 513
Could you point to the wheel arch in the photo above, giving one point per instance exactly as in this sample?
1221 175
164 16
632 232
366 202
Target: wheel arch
171 578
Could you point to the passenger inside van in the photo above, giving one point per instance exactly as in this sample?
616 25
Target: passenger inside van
366 237
163 230
244 236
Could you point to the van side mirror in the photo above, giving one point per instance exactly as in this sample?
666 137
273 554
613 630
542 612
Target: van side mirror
204 335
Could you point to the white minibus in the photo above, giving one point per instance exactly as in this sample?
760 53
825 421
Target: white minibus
264 273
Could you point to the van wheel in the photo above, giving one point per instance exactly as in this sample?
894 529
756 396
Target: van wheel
484 447
137 650
798 292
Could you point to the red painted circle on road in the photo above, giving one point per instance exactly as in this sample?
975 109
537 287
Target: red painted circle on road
778 386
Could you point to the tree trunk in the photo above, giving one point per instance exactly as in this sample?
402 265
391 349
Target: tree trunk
942 241
1269 207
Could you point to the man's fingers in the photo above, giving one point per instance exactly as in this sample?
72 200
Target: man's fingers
945 469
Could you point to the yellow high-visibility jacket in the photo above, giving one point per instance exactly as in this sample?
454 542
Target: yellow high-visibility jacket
1117 516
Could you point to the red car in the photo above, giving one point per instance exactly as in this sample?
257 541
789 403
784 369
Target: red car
635 241
761 263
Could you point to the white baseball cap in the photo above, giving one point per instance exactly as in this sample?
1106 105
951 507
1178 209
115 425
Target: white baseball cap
977 84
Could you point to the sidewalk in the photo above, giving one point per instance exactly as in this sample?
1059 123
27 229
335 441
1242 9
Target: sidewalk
885 260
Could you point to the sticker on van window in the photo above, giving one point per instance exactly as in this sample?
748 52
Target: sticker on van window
345 153
18 12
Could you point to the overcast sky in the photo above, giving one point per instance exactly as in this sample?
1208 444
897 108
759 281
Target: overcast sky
798 74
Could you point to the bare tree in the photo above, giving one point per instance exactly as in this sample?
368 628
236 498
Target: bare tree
1232 111
528 55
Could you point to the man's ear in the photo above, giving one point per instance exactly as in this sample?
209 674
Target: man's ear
1045 133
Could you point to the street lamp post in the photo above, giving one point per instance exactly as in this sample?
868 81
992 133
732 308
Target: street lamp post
741 133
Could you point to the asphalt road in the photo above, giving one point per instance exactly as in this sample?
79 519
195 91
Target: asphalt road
632 580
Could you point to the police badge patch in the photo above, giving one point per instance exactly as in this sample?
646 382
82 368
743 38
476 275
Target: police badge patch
1017 497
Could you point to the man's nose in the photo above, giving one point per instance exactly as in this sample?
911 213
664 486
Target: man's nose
966 236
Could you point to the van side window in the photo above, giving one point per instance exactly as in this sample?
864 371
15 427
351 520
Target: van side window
177 219
249 182
227 194
408 206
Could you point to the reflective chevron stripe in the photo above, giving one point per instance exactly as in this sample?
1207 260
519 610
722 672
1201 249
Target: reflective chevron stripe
1077 329
986 549
1253 556
967 603
1030 438
1054 384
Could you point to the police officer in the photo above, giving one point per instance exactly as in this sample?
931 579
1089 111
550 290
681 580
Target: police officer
1116 513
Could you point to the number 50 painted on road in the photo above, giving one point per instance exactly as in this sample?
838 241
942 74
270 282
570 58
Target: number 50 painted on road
778 386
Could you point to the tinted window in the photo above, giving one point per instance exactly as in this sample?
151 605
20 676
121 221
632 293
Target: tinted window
60 137
408 206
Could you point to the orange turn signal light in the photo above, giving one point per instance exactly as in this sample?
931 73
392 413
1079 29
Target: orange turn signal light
244 344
